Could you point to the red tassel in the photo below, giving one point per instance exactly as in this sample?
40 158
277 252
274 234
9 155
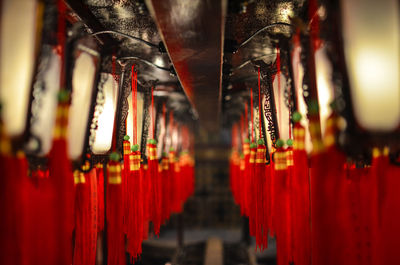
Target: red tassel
301 199
115 215
135 207
388 207
281 208
100 197
244 181
60 173
327 176
165 189
261 199
13 240
155 195
146 200
252 190
85 218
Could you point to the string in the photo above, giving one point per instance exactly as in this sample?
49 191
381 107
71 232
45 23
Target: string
171 124
134 104
251 115
246 122
259 104
152 114
61 36
164 114
241 129
278 72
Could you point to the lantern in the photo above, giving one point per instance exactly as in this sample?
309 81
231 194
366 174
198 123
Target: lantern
372 52
105 113
18 50
83 82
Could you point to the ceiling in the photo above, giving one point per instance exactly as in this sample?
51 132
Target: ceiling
199 42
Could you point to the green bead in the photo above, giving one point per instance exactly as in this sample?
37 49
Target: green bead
63 96
289 142
171 149
313 107
247 141
260 141
164 154
279 143
126 138
151 141
114 156
296 116
135 148
253 145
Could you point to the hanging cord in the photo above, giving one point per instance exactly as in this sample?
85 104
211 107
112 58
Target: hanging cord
152 114
251 115
259 104
246 122
134 104
278 74
241 129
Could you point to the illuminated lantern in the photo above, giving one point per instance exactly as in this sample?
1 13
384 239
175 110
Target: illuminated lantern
18 51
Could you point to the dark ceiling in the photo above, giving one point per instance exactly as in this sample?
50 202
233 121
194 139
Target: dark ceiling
201 38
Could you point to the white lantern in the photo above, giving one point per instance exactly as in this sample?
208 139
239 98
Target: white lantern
83 85
139 125
103 134
17 59
371 31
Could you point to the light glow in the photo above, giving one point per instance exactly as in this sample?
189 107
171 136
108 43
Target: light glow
372 50
44 123
323 71
17 52
82 82
140 104
105 125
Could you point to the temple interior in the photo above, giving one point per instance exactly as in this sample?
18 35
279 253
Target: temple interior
199 132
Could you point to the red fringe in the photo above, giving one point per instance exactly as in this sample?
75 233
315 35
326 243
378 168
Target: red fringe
100 198
146 200
281 218
327 177
13 240
115 220
86 220
135 213
60 174
165 190
301 208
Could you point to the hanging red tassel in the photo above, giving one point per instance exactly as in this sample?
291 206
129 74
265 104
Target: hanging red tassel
165 188
389 201
115 213
289 200
85 218
135 207
281 205
327 177
301 196
13 240
155 206
261 199
60 173
146 184
100 197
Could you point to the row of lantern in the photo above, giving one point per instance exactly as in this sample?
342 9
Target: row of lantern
69 180
324 181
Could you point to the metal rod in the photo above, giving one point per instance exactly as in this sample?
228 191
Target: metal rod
125 36
263 29
144 61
